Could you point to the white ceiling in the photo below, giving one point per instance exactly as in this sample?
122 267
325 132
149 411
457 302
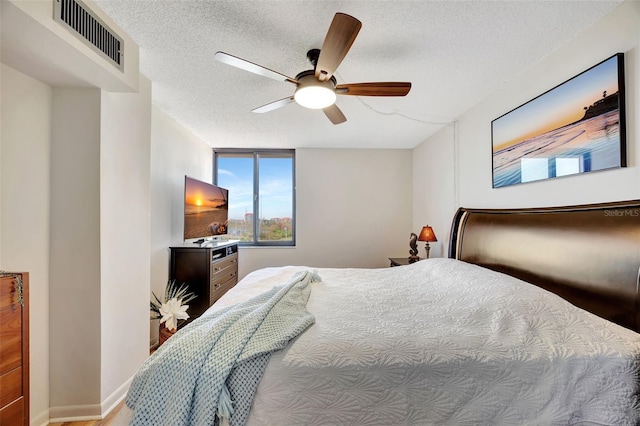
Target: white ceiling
455 53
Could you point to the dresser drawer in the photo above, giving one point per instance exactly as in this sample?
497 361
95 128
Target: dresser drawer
10 338
14 414
223 266
220 289
225 275
10 386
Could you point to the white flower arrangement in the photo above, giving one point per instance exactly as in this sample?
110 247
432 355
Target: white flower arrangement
174 307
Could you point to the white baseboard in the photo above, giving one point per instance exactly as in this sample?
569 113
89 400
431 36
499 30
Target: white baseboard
79 413
41 419
75 413
116 397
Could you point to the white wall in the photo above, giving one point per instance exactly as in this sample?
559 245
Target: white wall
24 212
353 210
175 152
470 167
73 195
100 244
434 175
125 228
74 325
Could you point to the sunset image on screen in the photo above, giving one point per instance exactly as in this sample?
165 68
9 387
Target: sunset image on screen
205 209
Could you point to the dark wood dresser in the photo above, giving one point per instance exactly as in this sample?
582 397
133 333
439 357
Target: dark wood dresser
14 349
208 271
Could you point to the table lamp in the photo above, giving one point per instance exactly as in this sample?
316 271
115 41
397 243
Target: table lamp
428 236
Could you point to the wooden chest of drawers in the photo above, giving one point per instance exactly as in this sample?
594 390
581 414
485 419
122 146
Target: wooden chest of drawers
208 271
14 349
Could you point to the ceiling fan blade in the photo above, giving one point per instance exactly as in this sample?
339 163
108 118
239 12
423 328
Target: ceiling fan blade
251 67
273 105
341 35
374 89
334 114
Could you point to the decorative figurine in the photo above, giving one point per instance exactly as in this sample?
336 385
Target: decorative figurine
413 244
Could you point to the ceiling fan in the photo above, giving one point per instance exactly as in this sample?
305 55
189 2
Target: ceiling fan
317 88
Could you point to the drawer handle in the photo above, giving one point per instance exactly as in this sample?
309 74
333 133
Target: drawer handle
18 280
217 268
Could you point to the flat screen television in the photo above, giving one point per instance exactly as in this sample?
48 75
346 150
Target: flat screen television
206 210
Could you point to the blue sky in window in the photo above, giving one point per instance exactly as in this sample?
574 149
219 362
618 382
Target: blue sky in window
236 175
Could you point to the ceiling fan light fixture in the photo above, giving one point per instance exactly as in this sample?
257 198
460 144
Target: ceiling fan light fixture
317 88
315 94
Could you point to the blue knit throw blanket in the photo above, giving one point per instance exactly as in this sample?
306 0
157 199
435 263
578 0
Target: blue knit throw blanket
183 382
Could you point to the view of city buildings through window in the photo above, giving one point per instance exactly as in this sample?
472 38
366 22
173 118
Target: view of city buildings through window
259 182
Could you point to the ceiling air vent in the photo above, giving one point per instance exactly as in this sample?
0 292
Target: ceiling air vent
84 24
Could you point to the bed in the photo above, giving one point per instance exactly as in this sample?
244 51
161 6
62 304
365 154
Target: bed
486 336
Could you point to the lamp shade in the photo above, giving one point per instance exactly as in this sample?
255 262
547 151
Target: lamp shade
427 234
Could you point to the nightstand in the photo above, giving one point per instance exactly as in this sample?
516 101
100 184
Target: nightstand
400 261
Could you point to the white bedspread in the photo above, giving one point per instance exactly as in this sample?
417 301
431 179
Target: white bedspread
443 342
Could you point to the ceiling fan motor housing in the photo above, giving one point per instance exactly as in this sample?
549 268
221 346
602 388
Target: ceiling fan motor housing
313 56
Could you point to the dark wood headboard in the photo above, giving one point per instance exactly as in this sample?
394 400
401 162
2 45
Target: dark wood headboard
588 254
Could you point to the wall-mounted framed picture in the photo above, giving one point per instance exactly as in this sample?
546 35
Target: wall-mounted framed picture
576 127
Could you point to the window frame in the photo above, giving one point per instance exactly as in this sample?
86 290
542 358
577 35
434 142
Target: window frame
255 154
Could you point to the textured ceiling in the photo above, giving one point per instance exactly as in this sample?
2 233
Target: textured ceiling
455 53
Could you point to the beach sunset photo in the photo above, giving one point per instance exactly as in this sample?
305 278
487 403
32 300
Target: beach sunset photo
576 127
205 209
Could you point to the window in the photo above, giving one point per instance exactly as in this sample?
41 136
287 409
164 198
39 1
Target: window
261 194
